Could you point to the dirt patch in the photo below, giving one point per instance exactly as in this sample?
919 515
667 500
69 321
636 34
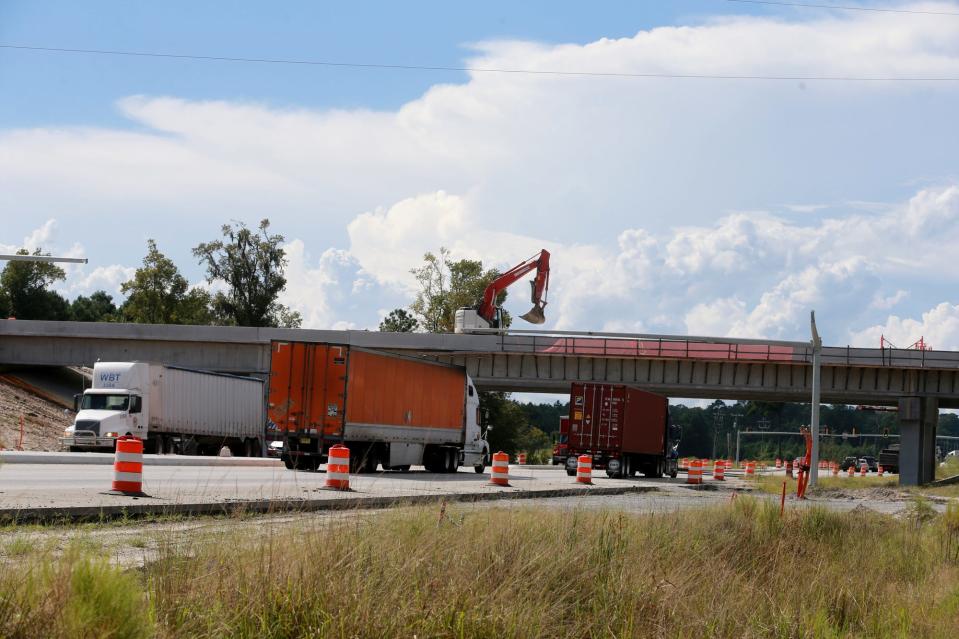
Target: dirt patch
43 420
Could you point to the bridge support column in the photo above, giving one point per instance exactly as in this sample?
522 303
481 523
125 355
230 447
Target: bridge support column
918 418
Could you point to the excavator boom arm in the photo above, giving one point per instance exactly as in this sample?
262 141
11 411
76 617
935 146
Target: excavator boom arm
539 263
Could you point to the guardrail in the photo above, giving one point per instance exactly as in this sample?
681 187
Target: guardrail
714 349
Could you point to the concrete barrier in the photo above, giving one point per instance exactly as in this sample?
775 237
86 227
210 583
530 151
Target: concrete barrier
36 457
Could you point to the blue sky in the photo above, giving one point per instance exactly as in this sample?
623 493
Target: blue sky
727 207
40 88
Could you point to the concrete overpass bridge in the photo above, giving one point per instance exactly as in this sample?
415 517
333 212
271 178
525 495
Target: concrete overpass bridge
918 382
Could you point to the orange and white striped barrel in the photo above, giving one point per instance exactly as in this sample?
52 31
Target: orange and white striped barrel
863 470
880 471
835 469
779 463
499 471
684 463
521 459
695 472
128 466
584 469
750 469
852 470
338 467
719 470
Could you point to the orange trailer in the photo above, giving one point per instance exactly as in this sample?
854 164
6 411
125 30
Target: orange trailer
388 409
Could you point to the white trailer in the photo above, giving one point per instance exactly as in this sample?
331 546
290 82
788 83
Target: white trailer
172 409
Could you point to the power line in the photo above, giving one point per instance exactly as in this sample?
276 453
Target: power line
414 67
846 7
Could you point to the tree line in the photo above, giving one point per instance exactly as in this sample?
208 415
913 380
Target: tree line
244 270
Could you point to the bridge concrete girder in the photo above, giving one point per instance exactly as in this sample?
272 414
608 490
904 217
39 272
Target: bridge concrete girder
764 381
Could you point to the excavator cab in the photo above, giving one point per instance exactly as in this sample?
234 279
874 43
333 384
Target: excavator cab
489 315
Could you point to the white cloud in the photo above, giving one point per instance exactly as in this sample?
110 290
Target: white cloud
939 326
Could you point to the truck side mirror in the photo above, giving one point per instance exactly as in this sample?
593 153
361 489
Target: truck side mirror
76 402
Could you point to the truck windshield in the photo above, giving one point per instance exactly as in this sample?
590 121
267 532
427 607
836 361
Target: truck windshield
105 402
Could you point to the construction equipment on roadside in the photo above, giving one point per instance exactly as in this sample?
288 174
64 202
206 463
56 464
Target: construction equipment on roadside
719 470
499 471
695 473
584 469
338 468
128 467
489 315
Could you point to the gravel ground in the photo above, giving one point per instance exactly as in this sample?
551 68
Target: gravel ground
43 421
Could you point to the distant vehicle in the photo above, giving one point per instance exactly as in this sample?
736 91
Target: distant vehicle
952 453
889 459
275 448
624 429
849 462
561 446
171 409
872 465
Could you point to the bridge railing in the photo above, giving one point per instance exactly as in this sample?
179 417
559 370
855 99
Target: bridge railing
733 350
660 348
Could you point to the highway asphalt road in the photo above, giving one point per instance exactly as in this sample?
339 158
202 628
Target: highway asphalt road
65 485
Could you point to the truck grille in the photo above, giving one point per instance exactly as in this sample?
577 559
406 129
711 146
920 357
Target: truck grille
88 425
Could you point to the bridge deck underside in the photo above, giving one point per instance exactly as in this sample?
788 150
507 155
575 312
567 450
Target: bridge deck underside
710 379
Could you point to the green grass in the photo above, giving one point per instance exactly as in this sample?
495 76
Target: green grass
731 571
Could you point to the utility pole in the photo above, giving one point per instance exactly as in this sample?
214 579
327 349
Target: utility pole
814 418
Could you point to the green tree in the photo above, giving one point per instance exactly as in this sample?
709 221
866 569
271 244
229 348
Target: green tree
398 321
159 294
26 294
99 307
445 286
251 264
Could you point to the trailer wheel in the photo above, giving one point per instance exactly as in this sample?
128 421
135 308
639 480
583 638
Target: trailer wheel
288 463
571 473
479 468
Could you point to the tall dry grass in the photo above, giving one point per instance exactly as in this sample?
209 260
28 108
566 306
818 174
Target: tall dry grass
732 571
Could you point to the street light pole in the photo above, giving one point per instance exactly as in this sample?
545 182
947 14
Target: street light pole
814 418
42 258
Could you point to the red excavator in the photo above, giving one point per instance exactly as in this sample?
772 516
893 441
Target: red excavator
489 315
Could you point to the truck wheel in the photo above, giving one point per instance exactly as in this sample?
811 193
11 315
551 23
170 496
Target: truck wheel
479 468
452 460
288 463
571 473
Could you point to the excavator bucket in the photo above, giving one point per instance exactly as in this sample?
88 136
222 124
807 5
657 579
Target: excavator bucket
535 315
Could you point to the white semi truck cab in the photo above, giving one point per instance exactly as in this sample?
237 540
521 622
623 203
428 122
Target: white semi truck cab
117 404
172 409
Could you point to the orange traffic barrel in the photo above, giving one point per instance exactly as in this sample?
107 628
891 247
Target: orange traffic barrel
695 472
779 463
750 469
852 470
880 471
499 471
338 467
719 470
863 470
128 467
835 469
521 459
584 469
